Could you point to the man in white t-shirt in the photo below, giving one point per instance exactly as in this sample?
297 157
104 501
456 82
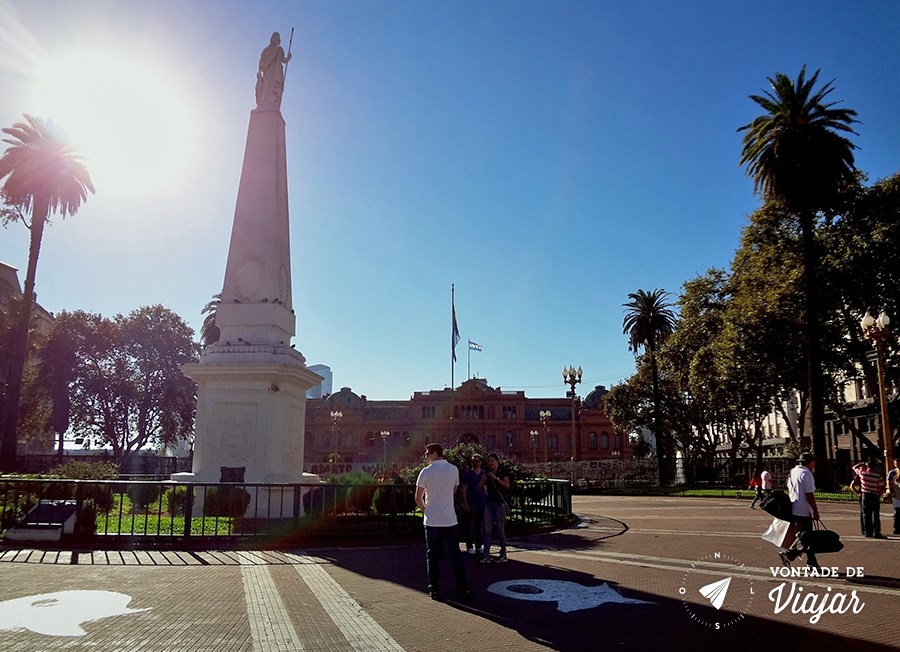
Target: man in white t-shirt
801 488
435 488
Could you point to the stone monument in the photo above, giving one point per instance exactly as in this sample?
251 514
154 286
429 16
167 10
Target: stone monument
251 383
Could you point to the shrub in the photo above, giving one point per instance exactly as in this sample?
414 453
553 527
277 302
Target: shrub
75 470
174 498
100 494
395 497
142 494
225 500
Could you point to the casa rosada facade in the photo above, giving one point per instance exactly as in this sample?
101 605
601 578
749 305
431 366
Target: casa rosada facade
346 429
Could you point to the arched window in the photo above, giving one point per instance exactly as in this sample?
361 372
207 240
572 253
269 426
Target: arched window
604 440
370 439
617 441
592 441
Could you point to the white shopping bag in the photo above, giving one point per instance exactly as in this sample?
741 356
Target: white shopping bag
780 533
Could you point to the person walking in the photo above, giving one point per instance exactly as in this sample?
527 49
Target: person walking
495 483
435 488
472 495
893 489
801 488
765 480
757 487
869 486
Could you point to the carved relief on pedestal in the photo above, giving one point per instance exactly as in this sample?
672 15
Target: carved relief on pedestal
236 425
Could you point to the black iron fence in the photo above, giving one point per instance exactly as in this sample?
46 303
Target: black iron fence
134 512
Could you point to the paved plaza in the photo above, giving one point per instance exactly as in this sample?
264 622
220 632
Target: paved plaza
635 574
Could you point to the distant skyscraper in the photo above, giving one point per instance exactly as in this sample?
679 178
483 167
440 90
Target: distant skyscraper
324 387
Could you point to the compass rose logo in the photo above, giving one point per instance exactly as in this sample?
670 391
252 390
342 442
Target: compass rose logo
720 603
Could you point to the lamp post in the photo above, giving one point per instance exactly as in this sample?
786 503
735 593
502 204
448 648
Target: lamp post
534 436
385 434
572 377
877 331
335 417
545 418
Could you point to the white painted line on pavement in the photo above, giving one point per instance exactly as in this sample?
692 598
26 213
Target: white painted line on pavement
711 568
357 626
270 623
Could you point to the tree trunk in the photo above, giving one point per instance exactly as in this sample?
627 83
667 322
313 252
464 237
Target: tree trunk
661 460
813 349
9 435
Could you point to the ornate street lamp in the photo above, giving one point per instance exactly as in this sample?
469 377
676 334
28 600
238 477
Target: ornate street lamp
335 417
877 331
534 437
545 419
385 434
572 377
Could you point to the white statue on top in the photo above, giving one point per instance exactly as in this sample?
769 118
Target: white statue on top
270 78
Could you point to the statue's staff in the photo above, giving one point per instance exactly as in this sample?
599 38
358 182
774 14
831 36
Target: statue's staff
290 42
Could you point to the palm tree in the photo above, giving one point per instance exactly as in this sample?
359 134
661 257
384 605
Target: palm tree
209 332
797 154
41 173
648 323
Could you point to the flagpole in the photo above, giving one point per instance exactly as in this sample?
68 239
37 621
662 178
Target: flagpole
469 360
452 351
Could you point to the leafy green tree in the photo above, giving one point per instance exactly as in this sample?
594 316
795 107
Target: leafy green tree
127 390
55 374
861 272
796 152
34 402
43 174
648 321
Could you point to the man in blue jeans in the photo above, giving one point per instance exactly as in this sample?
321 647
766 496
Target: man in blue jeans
435 489
496 484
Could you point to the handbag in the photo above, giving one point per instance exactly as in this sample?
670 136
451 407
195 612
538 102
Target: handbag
777 504
820 539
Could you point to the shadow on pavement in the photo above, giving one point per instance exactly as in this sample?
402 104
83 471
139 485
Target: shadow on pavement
525 601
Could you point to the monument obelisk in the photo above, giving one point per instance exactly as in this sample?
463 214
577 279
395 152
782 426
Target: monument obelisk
251 383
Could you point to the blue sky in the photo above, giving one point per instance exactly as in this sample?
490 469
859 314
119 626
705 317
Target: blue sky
546 157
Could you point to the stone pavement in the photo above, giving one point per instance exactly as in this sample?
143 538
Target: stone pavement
637 573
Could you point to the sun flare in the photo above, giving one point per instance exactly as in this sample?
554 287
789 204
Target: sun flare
130 120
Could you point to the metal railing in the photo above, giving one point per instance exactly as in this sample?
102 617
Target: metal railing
133 512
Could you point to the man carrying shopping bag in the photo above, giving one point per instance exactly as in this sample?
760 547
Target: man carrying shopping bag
801 488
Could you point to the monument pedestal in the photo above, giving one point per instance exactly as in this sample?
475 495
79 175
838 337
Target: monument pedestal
250 413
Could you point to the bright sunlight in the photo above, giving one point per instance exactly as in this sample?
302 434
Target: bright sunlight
132 123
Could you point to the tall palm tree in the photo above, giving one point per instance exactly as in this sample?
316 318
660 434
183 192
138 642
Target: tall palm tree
42 174
797 153
648 322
